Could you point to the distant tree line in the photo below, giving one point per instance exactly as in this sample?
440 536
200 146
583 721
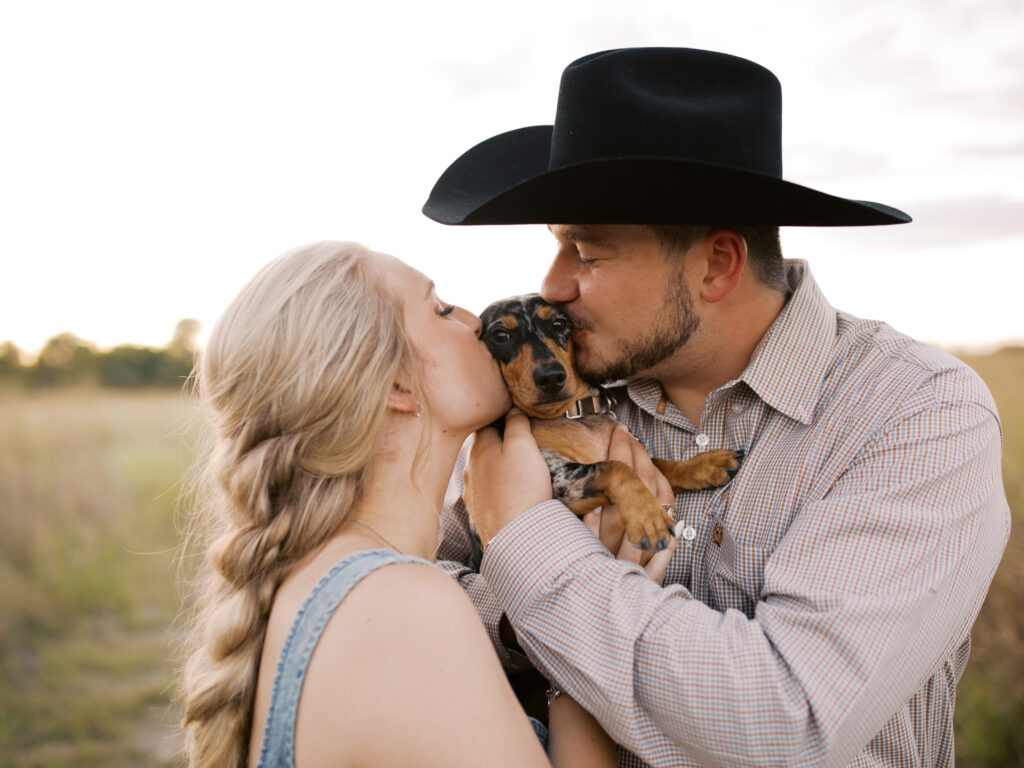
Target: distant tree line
67 361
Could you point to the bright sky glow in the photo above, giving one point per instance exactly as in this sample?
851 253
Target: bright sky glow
154 155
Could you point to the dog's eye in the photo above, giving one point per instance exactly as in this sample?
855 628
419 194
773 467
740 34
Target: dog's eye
500 336
559 324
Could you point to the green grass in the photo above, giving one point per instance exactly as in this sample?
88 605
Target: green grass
89 483
88 492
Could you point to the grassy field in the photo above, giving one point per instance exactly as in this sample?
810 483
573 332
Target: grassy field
88 597
88 490
990 701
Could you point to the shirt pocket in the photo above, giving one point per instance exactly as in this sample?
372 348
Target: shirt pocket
733 569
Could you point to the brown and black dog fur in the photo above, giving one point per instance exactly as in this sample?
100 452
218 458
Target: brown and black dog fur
531 341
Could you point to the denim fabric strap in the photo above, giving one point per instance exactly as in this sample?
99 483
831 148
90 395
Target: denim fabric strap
278 749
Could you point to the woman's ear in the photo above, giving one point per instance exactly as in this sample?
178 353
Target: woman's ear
403 400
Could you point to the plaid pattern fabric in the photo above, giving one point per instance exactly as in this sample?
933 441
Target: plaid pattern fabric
820 615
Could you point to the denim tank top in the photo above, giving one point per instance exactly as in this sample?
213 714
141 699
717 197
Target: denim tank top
278 749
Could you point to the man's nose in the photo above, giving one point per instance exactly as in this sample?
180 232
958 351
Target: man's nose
559 284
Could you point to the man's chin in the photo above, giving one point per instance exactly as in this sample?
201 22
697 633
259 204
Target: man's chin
605 372
595 369
597 372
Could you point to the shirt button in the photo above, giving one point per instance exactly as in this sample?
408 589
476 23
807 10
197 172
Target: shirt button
737 408
702 440
687 533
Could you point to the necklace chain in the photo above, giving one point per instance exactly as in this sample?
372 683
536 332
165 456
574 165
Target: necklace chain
380 535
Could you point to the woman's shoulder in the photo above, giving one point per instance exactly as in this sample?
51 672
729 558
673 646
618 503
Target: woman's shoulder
407 592
418 618
375 592
404 646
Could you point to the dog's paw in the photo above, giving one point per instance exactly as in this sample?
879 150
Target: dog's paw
648 525
709 469
718 467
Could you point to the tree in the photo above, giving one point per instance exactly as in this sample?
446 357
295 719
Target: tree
11 369
184 342
127 366
65 359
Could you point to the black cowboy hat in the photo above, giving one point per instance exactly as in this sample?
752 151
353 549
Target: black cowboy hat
646 136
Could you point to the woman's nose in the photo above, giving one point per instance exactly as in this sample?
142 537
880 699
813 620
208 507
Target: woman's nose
472 321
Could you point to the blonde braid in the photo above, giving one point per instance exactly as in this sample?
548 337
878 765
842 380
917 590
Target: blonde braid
296 376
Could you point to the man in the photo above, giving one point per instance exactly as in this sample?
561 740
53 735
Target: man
817 609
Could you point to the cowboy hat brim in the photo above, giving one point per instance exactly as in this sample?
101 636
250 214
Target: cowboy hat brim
506 180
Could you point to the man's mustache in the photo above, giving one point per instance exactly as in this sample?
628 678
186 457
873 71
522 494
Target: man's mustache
574 320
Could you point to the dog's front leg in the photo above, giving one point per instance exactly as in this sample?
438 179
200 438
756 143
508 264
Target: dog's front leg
583 487
705 470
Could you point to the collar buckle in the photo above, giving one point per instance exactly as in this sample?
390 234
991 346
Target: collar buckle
602 402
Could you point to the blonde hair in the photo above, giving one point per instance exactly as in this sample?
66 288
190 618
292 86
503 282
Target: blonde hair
296 377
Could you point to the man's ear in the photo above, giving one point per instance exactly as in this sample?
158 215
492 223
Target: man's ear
726 258
403 400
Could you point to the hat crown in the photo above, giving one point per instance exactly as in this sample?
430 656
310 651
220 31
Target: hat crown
677 103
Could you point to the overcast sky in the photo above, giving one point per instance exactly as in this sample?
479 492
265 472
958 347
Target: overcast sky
154 155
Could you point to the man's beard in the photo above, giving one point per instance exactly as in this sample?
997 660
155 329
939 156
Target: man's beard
678 325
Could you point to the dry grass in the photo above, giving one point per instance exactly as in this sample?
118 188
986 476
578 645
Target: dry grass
88 582
88 489
990 700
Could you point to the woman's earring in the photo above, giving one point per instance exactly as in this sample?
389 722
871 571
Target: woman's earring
419 409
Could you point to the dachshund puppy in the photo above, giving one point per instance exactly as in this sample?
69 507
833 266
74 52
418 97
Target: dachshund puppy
572 422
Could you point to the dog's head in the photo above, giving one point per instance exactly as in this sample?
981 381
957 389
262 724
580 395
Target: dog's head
531 341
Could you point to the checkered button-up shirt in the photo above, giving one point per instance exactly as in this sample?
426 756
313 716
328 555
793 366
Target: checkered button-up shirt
818 610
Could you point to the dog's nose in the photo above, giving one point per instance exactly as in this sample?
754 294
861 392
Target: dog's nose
549 378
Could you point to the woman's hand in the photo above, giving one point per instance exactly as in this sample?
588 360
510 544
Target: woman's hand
606 523
504 477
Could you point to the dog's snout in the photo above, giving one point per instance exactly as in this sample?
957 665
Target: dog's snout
549 378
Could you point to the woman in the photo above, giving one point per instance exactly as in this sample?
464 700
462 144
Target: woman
341 389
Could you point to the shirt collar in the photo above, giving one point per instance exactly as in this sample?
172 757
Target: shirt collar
787 368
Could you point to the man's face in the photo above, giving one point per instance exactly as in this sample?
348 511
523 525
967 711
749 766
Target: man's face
629 302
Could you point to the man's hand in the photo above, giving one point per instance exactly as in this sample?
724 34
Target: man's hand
504 477
606 523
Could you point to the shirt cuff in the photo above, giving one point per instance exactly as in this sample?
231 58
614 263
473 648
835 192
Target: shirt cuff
534 549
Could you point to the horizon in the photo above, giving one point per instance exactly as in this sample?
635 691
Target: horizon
29 358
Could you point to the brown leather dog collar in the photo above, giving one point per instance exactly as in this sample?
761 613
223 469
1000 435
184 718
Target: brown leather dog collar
602 402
